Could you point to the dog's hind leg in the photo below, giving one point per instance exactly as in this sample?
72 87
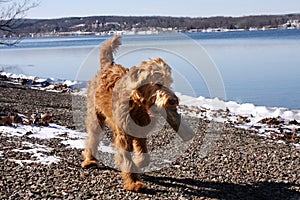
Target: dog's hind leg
94 130
129 171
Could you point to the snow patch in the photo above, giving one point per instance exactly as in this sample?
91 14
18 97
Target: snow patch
39 152
246 116
258 112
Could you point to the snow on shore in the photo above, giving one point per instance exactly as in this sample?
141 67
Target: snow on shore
247 109
278 124
48 84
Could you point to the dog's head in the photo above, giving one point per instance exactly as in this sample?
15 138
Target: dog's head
142 94
151 100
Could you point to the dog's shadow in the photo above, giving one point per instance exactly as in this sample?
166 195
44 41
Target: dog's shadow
193 187
189 187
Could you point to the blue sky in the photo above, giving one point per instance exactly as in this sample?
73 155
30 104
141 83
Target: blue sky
191 8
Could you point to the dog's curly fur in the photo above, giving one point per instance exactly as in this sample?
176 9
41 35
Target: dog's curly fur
128 100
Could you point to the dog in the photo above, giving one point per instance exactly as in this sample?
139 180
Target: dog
128 101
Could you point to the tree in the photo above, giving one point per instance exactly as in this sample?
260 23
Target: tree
11 14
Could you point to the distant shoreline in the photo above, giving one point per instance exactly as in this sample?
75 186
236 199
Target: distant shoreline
151 32
105 25
109 34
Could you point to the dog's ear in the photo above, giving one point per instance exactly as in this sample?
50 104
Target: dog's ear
136 98
137 109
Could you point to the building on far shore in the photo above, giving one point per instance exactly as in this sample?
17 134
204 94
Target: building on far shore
290 24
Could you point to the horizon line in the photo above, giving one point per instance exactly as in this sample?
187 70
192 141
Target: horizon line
193 17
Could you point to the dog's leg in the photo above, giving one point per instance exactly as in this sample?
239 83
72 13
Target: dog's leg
141 157
129 171
90 153
132 182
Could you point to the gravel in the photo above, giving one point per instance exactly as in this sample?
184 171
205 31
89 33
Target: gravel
237 165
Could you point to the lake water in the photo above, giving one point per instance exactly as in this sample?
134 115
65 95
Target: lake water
261 67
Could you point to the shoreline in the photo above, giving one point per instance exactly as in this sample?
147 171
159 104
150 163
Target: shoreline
110 34
63 85
278 124
128 33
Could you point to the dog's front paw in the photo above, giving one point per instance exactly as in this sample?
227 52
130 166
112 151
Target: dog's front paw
135 186
89 163
88 158
140 186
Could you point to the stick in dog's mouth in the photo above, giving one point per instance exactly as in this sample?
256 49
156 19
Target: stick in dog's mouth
179 125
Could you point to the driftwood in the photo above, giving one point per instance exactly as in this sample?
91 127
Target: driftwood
35 119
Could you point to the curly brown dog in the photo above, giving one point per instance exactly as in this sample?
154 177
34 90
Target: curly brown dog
128 100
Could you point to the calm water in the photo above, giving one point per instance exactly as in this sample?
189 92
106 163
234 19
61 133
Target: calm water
261 67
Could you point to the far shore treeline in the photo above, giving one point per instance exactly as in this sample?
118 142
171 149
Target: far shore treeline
98 24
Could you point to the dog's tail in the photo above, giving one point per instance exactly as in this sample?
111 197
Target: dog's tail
107 51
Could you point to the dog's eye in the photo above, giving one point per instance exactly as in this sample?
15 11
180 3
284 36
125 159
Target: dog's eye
173 102
159 85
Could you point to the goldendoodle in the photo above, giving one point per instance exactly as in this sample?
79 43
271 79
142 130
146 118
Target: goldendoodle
128 101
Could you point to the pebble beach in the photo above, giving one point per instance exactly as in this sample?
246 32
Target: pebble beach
241 164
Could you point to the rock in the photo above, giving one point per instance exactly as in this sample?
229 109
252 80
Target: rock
294 122
272 121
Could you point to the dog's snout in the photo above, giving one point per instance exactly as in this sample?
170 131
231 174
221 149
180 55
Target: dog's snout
173 102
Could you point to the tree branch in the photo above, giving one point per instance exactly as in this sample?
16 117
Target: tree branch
11 14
